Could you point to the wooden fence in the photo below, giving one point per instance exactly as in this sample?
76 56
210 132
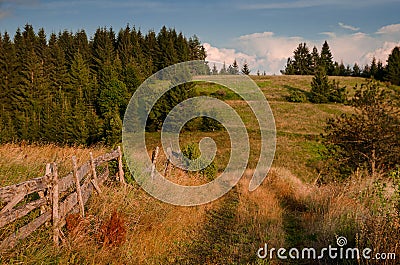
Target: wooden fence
57 196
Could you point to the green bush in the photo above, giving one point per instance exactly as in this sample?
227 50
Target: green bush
296 96
192 152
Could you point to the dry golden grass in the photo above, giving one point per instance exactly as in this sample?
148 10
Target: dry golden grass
20 162
261 212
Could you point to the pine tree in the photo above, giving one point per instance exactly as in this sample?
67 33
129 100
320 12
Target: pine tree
214 70
302 62
79 81
356 70
320 87
327 58
197 51
289 68
223 70
315 60
374 68
393 67
245 69
380 73
234 68
7 72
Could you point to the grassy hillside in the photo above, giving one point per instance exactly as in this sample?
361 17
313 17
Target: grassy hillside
288 210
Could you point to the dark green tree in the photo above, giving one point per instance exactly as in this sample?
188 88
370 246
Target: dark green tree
245 69
368 138
356 70
302 62
234 68
327 58
214 70
373 68
320 87
223 70
393 67
315 60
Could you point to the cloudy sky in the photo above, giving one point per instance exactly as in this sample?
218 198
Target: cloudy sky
263 33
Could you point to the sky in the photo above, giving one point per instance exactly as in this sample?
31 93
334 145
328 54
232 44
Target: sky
262 33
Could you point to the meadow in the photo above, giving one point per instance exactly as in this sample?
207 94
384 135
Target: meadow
288 210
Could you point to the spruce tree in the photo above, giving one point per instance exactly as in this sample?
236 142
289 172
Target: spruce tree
234 68
315 60
373 68
327 59
356 70
245 69
393 67
214 70
302 62
223 70
320 87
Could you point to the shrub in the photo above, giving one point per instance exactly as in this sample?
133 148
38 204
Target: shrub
192 152
323 91
296 96
370 137
112 232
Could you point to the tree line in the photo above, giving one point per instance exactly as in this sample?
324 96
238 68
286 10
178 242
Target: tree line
69 89
305 62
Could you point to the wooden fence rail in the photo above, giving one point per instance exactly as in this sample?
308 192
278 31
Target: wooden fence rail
50 188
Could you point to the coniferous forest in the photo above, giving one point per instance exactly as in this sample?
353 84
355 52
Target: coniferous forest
69 89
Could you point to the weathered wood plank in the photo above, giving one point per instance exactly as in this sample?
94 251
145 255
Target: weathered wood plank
17 198
30 186
24 231
98 161
21 211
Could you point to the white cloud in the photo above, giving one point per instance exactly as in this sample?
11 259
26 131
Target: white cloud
268 51
382 53
329 34
389 29
227 56
342 25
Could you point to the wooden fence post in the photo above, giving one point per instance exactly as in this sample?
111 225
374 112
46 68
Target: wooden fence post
120 168
55 195
167 170
153 162
78 187
94 180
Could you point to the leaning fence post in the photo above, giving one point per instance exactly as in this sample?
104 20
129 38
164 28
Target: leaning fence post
94 180
78 187
55 194
120 168
153 162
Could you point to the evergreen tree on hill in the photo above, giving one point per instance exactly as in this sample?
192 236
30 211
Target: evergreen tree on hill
245 69
302 62
326 58
315 59
393 67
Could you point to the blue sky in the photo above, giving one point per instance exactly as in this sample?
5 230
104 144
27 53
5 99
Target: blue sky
263 33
